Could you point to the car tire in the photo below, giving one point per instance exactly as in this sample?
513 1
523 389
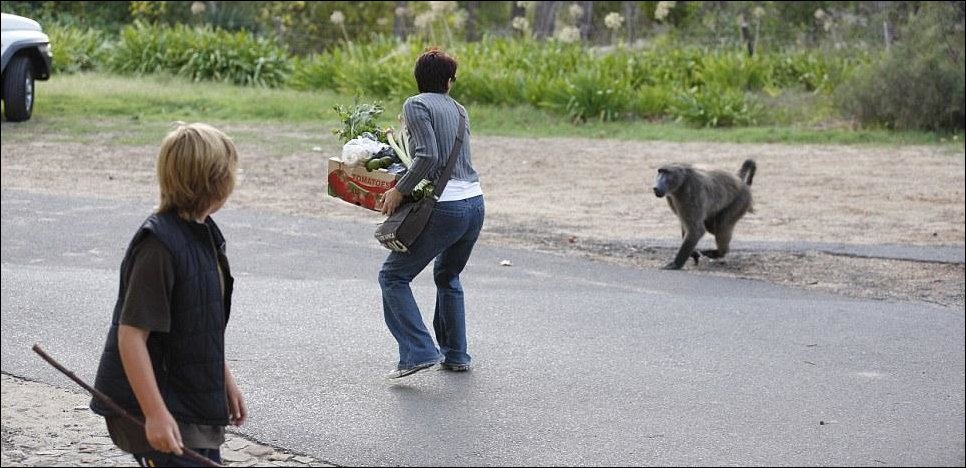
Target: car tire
18 89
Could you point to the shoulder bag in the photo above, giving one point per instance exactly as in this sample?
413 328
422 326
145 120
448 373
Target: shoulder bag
401 229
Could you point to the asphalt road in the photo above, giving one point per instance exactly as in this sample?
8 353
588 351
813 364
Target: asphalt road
576 362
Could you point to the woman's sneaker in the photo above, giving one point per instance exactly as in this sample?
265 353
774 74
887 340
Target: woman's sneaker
400 373
455 367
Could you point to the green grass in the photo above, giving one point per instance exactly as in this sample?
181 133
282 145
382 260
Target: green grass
526 122
81 105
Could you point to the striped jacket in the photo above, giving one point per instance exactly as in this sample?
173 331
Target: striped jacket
432 120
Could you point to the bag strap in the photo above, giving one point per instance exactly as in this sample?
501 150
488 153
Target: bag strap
453 155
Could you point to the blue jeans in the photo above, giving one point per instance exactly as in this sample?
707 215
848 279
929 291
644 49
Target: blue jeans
170 459
449 238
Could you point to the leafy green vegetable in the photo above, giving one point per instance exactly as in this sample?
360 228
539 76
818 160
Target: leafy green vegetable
358 119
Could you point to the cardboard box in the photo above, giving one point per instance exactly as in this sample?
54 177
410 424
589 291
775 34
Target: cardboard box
359 186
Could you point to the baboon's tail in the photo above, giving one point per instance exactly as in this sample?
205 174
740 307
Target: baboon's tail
747 171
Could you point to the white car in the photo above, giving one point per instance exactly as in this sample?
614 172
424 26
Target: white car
26 58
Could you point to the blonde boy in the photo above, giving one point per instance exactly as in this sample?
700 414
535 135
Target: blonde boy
164 357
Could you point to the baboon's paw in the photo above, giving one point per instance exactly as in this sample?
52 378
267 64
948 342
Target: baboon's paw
672 266
711 253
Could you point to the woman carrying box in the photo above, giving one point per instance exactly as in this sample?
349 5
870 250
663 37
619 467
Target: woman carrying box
432 118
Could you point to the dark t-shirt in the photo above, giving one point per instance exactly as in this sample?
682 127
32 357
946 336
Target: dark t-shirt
147 305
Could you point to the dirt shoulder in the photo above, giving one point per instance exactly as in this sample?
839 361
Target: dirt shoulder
47 426
592 198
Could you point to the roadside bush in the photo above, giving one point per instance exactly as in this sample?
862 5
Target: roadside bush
201 54
923 93
707 88
678 68
77 49
813 70
714 107
735 70
377 69
591 95
499 87
651 101
504 71
313 73
920 84
699 86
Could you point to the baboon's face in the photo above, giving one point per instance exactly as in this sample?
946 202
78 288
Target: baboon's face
669 178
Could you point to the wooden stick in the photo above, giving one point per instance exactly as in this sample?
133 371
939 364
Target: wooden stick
188 453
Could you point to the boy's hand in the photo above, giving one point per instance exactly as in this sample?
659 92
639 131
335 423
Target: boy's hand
163 433
237 411
159 426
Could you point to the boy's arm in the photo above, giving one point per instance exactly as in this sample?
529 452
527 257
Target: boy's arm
237 411
159 426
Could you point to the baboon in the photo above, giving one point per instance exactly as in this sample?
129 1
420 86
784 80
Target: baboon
705 201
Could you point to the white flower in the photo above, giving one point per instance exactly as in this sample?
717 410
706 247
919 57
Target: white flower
442 7
662 10
197 8
569 34
382 21
337 17
613 20
423 20
759 12
576 11
819 14
850 19
520 24
460 18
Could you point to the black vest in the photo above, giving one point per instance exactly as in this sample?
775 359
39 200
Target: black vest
189 361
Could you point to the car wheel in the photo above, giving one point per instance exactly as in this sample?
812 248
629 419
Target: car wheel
18 89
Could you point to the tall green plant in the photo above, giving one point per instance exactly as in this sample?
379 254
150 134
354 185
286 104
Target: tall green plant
592 95
715 107
200 54
77 49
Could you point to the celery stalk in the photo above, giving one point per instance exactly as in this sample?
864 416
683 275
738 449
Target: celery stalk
391 138
405 149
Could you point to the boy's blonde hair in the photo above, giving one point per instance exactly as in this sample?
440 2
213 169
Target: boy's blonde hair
196 169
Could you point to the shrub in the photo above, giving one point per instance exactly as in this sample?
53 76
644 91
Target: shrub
314 73
77 49
591 95
651 101
679 68
714 107
201 54
735 71
919 85
500 87
813 70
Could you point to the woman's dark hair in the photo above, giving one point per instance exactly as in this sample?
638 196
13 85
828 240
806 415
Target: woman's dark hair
433 70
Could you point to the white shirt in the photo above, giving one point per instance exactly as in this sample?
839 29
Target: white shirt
460 190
